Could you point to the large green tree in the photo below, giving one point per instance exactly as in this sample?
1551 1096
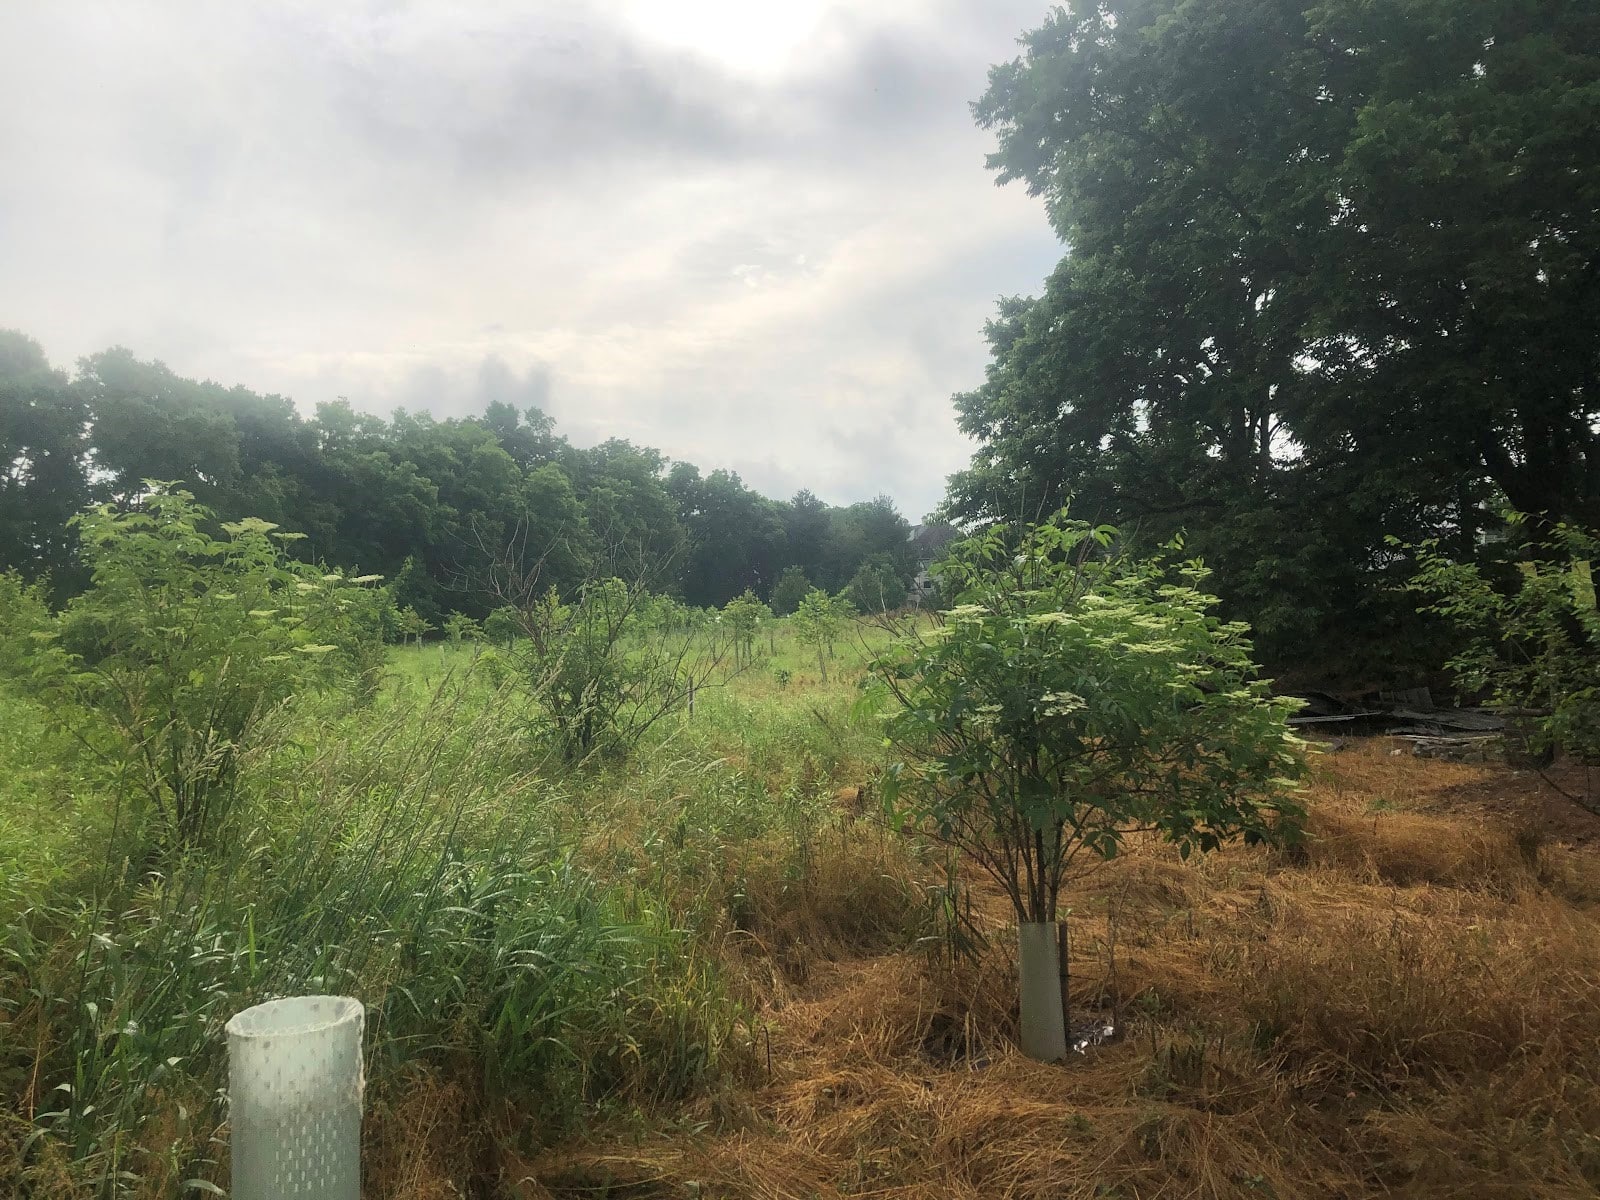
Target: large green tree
43 473
150 423
736 538
1326 276
440 508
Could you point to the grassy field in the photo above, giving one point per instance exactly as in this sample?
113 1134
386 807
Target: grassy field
709 971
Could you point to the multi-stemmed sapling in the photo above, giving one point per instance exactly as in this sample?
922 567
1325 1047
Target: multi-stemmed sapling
1073 698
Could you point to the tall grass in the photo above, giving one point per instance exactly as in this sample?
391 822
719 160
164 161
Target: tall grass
407 856
688 973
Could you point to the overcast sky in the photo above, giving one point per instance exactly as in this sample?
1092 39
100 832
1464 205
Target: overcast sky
755 235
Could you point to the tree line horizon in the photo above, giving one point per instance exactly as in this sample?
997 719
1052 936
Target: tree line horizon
430 504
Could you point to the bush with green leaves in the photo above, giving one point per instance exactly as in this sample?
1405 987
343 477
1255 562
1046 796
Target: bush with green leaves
789 590
742 617
412 624
817 623
877 587
1534 645
603 673
182 643
500 626
1075 697
23 612
459 627
370 621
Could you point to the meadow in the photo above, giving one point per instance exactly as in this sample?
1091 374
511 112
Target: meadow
711 969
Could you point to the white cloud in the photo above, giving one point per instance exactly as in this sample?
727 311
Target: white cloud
759 242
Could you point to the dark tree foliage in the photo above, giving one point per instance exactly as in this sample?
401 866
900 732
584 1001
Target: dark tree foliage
429 505
43 465
791 588
877 587
737 541
1331 276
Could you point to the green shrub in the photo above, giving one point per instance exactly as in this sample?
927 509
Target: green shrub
183 642
1074 697
1535 646
877 587
790 589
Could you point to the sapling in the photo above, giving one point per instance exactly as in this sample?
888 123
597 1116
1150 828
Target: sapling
185 641
1531 642
816 623
1075 697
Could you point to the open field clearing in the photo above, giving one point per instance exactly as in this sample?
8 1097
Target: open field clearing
712 971
587 614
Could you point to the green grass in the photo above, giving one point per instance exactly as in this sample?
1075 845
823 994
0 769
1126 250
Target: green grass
52 804
554 941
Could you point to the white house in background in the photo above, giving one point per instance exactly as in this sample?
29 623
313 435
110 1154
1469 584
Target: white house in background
929 540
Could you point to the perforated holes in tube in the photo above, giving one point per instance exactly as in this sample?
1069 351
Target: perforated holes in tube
294 1091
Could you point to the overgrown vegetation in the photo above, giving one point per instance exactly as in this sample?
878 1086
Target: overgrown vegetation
631 893
182 644
706 962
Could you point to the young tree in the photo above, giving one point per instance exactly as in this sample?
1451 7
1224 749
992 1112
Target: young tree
603 677
742 616
790 589
1072 698
183 642
840 610
877 587
606 663
24 613
501 625
1535 646
816 623
458 626
371 622
411 623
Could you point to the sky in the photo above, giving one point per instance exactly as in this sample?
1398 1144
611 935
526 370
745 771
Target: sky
757 236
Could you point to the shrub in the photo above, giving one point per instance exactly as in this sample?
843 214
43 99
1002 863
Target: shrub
183 641
877 587
604 677
742 616
1074 697
501 625
1535 647
817 622
790 589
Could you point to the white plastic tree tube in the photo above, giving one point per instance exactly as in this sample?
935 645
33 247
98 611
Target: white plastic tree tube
294 1099
1044 1022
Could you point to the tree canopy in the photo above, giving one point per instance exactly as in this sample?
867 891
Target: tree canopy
1327 271
431 505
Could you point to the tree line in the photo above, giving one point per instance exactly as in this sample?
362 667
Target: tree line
428 504
1330 288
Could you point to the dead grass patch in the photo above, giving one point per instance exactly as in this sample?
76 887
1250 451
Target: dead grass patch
1409 1010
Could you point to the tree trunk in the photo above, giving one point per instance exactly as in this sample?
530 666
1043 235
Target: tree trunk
1044 1018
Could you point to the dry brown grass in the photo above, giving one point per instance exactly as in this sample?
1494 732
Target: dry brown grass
425 1140
852 892
1410 1007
